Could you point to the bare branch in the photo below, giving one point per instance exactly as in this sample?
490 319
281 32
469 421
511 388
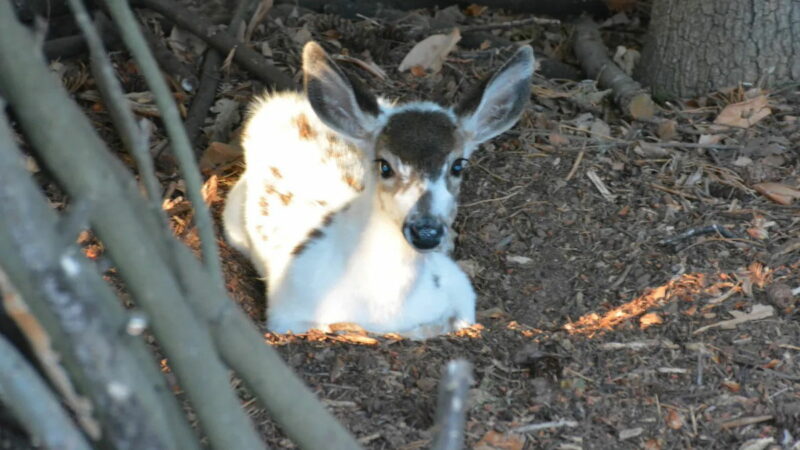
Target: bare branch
129 31
451 412
24 392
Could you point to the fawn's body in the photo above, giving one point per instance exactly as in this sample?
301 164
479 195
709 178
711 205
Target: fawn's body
340 237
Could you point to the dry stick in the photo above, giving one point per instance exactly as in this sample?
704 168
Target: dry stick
129 31
509 24
30 401
69 310
451 412
122 221
207 90
222 42
133 136
593 56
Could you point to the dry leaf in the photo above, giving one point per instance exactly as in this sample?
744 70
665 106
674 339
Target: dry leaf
430 53
493 440
744 114
674 419
758 312
667 130
778 192
209 191
219 154
649 320
709 139
475 10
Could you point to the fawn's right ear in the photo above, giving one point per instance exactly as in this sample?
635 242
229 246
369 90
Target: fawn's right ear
339 103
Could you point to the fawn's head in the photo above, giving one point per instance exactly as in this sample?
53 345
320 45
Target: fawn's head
420 149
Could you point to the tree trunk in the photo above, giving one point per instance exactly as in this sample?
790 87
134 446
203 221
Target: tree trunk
698 46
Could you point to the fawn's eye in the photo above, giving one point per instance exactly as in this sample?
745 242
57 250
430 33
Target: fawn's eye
458 167
385 169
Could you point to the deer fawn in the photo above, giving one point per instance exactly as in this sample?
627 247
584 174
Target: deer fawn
347 200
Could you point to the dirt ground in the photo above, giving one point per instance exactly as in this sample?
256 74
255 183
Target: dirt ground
635 288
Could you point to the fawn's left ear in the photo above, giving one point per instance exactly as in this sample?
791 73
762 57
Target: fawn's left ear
496 106
342 104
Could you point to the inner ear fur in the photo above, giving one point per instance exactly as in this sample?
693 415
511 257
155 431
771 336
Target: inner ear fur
495 105
342 103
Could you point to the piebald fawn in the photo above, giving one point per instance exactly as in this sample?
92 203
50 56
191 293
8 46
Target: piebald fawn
347 200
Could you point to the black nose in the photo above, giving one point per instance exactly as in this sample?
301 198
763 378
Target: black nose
425 234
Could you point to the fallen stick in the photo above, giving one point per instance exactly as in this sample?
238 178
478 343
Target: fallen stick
634 101
545 425
247 58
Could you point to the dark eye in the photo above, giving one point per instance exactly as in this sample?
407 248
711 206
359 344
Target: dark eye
458 167
385 169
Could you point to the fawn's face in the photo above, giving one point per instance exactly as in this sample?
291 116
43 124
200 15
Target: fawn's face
420 158
420 149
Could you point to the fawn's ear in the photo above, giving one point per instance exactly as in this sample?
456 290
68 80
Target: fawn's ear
497 104
341 104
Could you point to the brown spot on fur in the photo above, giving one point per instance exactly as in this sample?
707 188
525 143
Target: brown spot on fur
304 128
316 233
260 231
286 198
263 206
322 203
276 173
352 182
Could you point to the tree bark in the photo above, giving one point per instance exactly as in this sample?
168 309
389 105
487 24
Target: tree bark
698 46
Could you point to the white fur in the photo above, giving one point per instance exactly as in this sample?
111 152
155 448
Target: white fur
359 267
362 270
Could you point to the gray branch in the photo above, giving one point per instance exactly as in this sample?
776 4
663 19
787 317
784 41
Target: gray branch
30 400
81 318
125 223
129 30
451 411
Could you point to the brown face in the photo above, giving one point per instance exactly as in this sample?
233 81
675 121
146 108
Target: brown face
419 157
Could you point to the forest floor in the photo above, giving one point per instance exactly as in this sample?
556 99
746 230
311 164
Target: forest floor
635 279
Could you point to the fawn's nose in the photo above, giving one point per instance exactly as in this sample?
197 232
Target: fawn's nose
425 233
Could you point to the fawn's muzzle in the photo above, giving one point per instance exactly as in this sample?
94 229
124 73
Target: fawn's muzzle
424 234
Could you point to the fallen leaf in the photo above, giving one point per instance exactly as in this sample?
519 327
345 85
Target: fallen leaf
219 154
757 444
758 312
430 53
209 190
709 139
731 386
557 139
521 260
744 114
777 192
494 440
667 130
630 433
475 10
674 419
649 320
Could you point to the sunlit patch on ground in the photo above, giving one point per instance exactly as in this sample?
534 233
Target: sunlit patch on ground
687 288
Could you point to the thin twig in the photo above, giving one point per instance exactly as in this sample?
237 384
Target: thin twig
133 136
545 425
575 165
246 57
123 16
699 231
510 24
207 90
